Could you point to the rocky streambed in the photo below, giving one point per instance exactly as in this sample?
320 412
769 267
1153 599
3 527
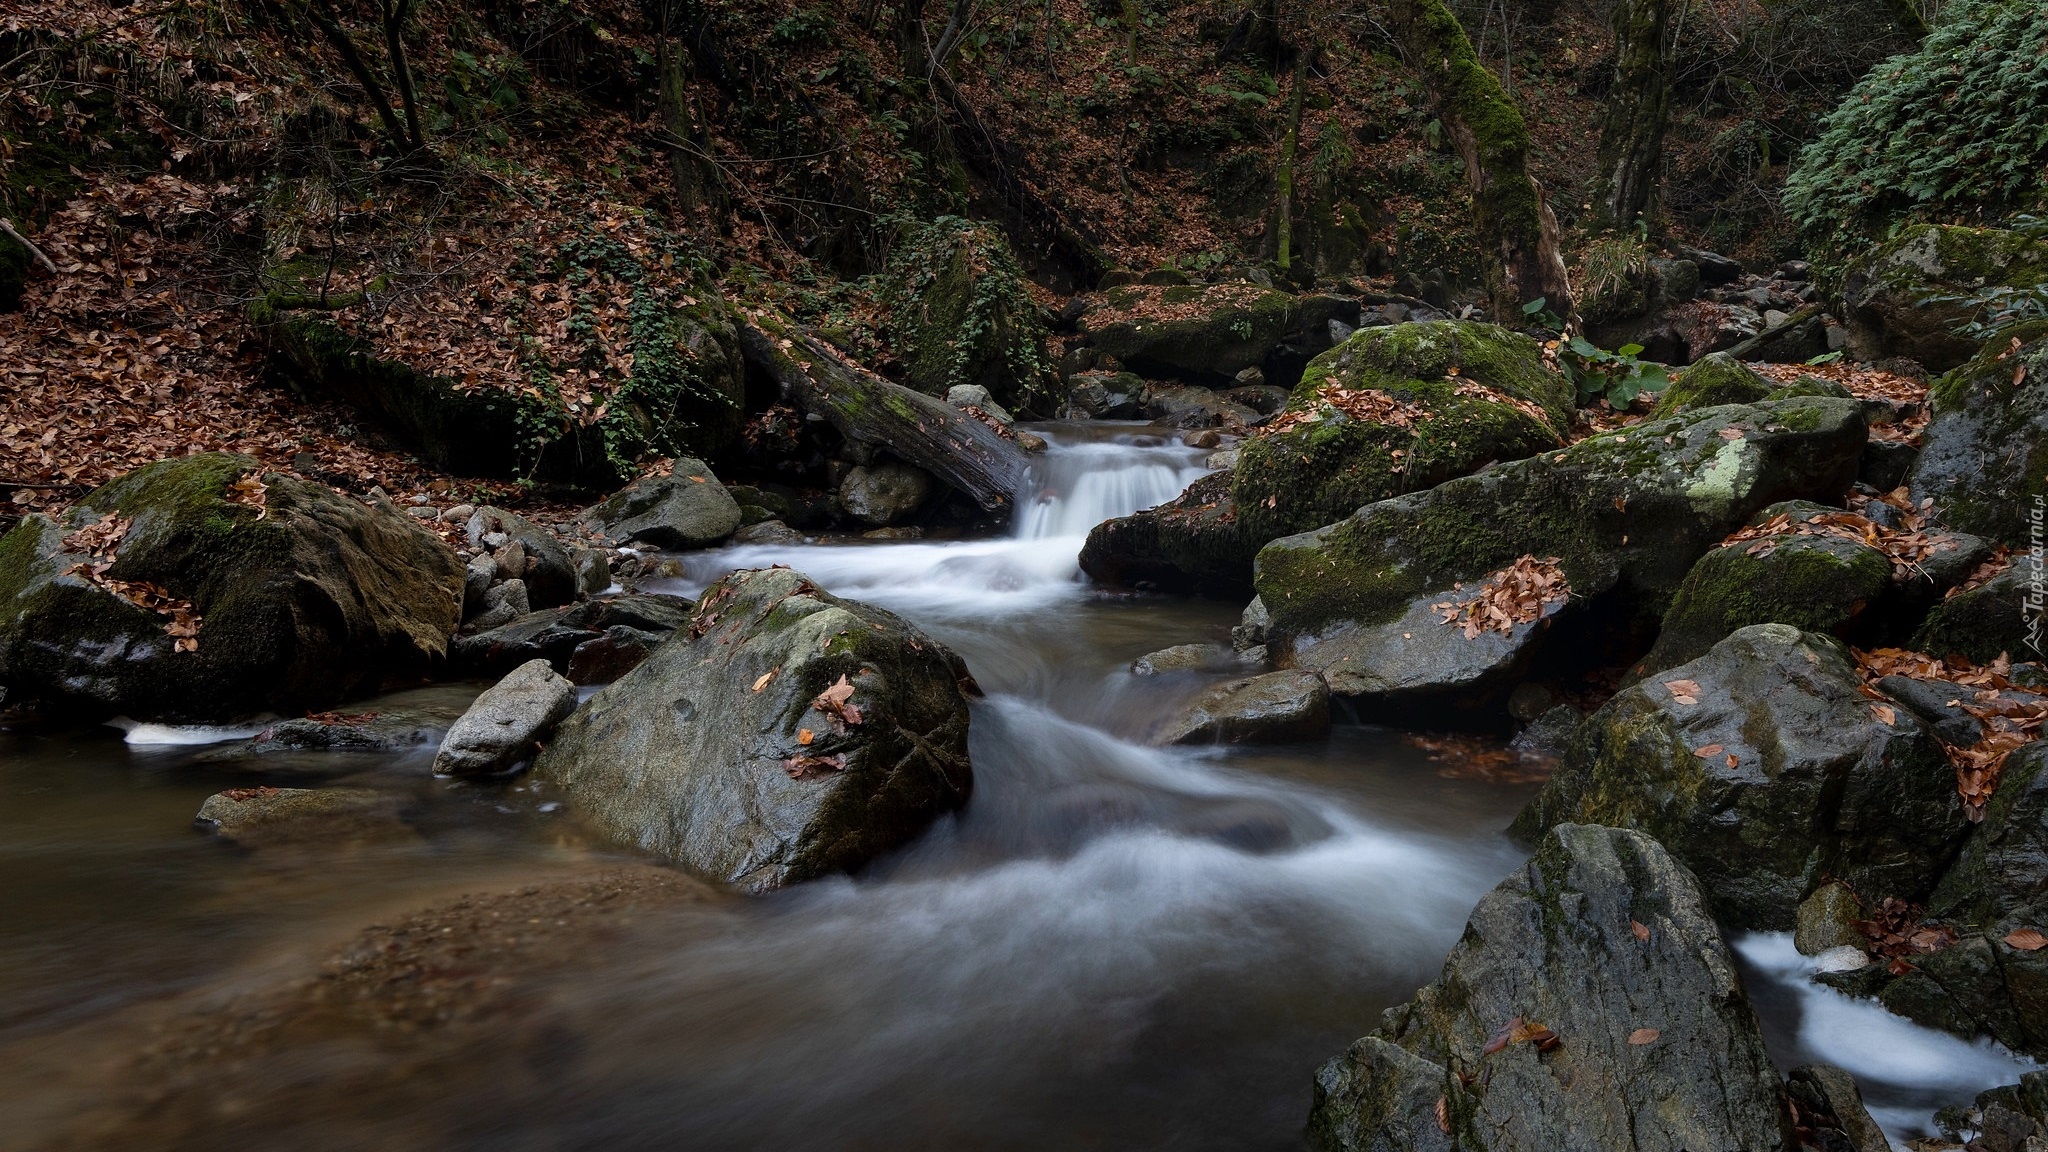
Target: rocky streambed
1113 943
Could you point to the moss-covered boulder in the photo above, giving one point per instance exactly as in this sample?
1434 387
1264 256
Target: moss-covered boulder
1765 769
963 314
1198 332
1716 379
1397 409
1626 513
1984 457
1591 1005
2001 616
1827 584
1192 543
682 395
787 734
283 595
687 508
1914 295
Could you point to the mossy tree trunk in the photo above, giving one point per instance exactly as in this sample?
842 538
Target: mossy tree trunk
692 164
1493 139
1632 140
1290 147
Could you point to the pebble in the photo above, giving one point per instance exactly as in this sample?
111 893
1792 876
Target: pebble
423 512
459 513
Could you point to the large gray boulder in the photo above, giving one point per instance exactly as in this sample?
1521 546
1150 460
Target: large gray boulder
1625 513
500 729
1910 297
1765 769
1634 1029
200 588
787 734
556 634
1984 461
1192 543
1191 331
2001 615
688 508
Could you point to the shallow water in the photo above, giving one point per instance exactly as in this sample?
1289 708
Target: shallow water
1114 946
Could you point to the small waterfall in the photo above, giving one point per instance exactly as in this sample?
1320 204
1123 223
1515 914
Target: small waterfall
1082 484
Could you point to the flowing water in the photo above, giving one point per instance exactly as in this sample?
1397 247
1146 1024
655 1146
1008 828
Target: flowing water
1114 946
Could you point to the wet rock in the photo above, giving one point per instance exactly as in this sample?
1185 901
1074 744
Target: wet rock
1656 1046
593 567
1469 394
526 552
503 603
477 577
1886 464
1824 584
2001 616
302 602
258 817
1626 513
1984 459
1827 919
725 752
1785 338
1186 406
1889 295
1716 379
1184 658
1250 631
1547 736
688 508
1276 708
883 494
617 651
384 726
2001 878
501 728
553 634
1192 543
1194 331
768 532
1766 770
1106 396
1830 1105
1417 665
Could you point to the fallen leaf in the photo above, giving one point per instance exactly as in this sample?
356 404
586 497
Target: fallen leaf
1708 751
1443 1113
805 736
1884 714
766 677
2026 940
1683 691
1641 931
1642 1036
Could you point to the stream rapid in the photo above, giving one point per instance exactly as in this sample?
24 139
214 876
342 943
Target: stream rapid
1113 946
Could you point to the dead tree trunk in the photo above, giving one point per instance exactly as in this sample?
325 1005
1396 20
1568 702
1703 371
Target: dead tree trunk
1507 202
960 450
1632 141
1290 146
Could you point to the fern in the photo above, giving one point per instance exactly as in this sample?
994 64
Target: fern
1954 132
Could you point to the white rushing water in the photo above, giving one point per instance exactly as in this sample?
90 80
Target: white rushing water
1146 875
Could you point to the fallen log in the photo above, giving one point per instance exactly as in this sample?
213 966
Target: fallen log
958 449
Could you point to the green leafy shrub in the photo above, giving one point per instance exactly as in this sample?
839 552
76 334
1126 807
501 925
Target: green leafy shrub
963 314
1957 130
1616 377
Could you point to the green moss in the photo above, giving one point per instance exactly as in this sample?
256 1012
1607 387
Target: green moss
1715 379
1633 508
1810 386
963 314
1815 584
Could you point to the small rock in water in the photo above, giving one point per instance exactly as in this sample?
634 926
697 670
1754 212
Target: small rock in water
1205 438
893 534
1842 958
1031 442
768 532
500 729
1183 658
1276 708
257 816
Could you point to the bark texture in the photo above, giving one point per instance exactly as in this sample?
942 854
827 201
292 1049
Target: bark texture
1632 140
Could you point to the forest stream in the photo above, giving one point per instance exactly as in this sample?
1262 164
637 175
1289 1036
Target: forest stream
1112 946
